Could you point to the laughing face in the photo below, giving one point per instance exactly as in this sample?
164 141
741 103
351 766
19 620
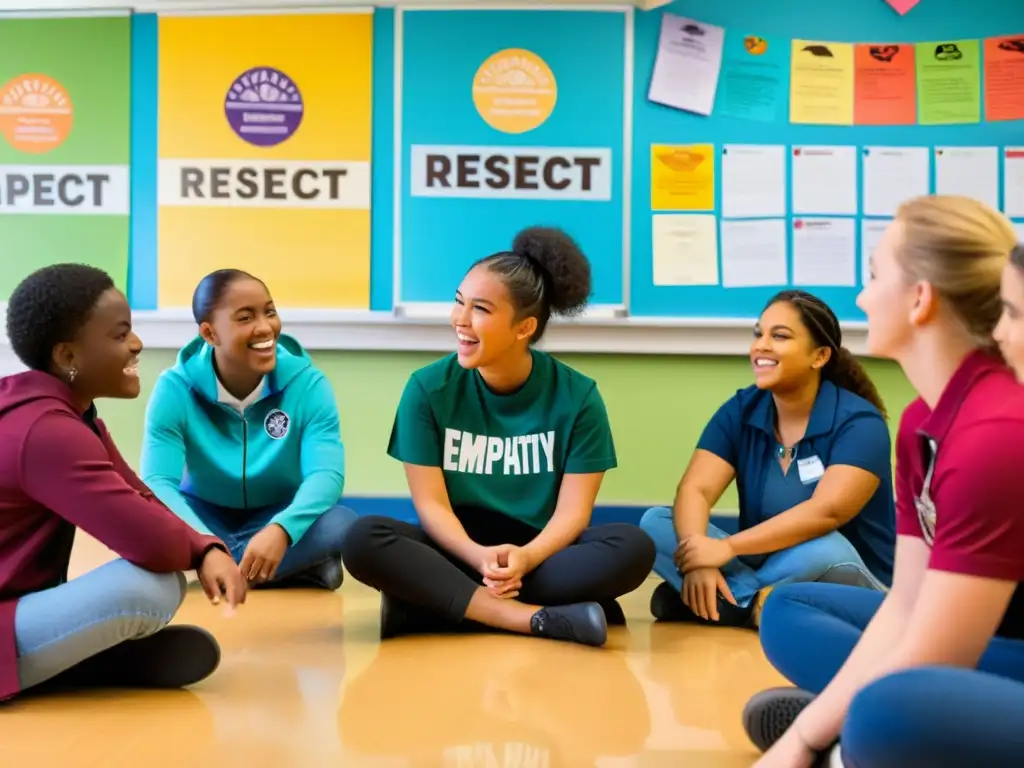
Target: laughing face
484 320
783 353
244 328
105 354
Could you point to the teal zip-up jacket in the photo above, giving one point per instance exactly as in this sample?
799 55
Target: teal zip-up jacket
286 451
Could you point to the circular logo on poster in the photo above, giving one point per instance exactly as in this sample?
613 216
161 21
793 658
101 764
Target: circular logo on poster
276 424
36 113
514 91
264 107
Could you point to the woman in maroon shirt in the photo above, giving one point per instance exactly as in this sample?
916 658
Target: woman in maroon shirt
59 471
930 674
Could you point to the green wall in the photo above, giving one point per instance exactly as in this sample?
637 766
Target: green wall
658 407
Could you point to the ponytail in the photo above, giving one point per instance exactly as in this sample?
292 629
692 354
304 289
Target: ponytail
845 371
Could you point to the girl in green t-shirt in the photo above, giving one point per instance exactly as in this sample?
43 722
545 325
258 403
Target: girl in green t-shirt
504 448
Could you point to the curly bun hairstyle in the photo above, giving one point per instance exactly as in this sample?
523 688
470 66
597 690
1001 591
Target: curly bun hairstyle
545 274
842 368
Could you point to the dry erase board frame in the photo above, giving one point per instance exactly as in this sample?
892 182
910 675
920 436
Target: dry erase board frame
854 21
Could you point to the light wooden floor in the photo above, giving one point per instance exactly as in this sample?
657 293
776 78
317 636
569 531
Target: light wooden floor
305 682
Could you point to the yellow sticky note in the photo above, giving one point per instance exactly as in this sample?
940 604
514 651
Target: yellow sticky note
821 83
683 177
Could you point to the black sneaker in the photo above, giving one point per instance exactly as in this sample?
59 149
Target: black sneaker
667 605
175 657
329 574
769 714
613 613
583 623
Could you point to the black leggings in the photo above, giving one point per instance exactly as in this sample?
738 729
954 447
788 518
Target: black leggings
402 561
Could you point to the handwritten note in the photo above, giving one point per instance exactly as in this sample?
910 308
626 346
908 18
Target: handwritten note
753 181
821 83
948 82
685 249
687 65
893 175
754 253
885 86
683 177
753 82
1004 78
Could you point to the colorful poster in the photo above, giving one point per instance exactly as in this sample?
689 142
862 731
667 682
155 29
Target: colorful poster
1004 78
752 85
518 124
683 178
65 119
949 82
821 83
264 155
885 87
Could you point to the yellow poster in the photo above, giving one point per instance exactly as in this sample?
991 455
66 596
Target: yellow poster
264 155
821 83
682 177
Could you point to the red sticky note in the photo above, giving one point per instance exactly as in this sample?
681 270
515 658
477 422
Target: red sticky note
902 6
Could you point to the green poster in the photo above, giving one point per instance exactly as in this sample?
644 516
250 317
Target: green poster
949 82
65 123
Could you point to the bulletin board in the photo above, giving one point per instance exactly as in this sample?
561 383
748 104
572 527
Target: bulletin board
509 119
776 25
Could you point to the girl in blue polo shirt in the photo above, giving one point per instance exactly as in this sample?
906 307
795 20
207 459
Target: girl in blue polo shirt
932 673
809 449
242 439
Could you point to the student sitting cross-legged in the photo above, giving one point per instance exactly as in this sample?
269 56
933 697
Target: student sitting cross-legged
810 451
242 440
60 471
504 449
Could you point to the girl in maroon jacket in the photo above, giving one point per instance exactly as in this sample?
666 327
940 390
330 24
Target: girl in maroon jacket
59 470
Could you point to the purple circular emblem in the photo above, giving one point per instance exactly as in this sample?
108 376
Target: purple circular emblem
263 106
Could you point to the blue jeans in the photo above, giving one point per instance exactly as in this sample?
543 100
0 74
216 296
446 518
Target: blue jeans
829 558
57 628
934 717
320 543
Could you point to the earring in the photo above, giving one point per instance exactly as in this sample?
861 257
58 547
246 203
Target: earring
72 372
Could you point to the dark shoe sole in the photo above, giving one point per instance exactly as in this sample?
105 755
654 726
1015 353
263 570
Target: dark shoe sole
175 657
769 714
613 613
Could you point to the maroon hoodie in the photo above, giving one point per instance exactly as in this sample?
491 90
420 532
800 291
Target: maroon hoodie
59 470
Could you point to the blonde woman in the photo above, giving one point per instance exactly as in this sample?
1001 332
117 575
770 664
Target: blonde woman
891 676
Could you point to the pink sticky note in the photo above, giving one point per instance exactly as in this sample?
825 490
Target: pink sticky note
902 6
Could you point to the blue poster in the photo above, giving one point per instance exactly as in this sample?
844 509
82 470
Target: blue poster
518 123
754 83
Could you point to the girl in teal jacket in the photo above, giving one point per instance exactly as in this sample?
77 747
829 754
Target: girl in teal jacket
242 439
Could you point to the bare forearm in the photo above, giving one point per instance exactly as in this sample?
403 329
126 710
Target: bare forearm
444 527
820 724
561 531
690 512
795 526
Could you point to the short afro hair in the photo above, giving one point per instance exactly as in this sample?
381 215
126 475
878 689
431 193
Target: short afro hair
49 307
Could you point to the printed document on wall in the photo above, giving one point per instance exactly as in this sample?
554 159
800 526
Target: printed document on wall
753 181
968 171
1013 181
685 249
825 181
754 253
687 65
871 231
824 252
893 175
1019 226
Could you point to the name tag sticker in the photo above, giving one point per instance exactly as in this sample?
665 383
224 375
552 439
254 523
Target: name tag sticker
811 469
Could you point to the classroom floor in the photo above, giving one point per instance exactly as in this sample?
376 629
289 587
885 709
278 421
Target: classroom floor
305 682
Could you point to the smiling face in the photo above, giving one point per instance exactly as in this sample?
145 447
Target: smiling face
244 328
889 299
105 351
484 320
1009 333
783 353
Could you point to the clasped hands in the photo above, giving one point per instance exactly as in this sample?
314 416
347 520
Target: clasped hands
503 568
